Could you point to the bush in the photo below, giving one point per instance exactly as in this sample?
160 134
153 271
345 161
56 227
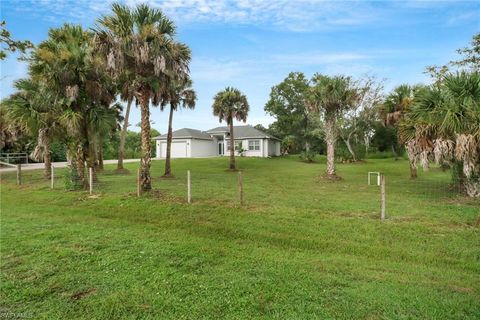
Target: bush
308 156
71 180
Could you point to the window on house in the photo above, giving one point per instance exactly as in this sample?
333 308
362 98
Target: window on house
253 145
238 145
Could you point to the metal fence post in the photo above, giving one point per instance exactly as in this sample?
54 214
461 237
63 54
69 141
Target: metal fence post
189 187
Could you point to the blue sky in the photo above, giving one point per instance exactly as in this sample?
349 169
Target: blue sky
254 44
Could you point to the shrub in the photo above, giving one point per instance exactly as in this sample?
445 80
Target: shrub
308 156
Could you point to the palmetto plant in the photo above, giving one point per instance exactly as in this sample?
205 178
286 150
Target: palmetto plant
33 107
179 94
446 118
140 42
331 96
66 66
230 104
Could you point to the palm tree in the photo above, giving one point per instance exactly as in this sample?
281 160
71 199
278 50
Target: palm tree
228 105
331 96
392 111
126 94
32 106
69 69
446 118
140 42
180 94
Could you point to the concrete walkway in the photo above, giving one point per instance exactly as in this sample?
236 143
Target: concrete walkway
37 166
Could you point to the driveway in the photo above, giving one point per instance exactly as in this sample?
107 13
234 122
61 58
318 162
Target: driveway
36 166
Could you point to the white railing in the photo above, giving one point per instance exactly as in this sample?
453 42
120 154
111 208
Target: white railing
14 157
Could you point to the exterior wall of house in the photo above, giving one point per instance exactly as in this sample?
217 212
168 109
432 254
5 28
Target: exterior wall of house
253 153
272 148
204 148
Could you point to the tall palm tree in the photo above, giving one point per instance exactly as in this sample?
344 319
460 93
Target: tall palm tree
230 104
140 42
180 94
331 96
447 117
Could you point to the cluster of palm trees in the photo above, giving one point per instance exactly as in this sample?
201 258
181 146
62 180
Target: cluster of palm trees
440 123
76 76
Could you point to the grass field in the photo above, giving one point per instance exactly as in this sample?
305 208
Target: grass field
300 248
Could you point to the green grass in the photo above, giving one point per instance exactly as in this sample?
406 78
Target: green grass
300 248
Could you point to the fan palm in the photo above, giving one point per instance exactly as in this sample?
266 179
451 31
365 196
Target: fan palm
446 118
66 65
32 106
180 94
140 42
331 96
230 104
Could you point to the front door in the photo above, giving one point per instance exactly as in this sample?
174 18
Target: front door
220 148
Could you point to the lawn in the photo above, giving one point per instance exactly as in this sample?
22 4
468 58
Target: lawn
300 248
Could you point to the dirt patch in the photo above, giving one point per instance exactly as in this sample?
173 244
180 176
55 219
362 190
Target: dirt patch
329 178
167 177
82 294
121 171
460 289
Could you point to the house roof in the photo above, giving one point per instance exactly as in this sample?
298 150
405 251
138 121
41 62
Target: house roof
241 132
186 133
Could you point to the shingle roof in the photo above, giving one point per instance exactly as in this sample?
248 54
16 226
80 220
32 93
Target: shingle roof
186 133
241 132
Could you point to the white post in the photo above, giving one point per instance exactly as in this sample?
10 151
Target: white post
189 187
90 171
382 196
368 179
52 176
19 174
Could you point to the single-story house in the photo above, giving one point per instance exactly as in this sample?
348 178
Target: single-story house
192 143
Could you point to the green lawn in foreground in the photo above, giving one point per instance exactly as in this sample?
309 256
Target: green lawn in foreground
301 248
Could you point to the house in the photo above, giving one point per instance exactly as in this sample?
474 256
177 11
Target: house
192 143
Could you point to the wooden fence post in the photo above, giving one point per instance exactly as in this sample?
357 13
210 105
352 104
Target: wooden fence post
19 174
189 187
240 186
52 176
138 183
382 196
90 177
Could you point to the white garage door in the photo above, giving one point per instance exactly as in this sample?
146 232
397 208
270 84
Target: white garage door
179 149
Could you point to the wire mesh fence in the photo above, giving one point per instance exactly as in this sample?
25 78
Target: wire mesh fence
249 188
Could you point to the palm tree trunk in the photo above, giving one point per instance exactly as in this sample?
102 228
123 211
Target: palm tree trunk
100 155
330 138
81 168
232 147
47 158
123 136
145 179
168 168
413 169
91 159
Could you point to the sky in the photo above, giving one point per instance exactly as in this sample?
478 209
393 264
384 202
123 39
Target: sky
254 44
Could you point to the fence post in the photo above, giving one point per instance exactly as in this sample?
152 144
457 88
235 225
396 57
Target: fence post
19 174
189 187
138 182
382 196
240 186
90 178
52 176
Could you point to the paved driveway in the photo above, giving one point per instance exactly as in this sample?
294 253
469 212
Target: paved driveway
36 166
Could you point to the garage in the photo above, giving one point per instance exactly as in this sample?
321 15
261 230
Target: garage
179 149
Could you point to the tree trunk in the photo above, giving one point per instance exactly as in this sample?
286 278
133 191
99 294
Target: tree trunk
168 168
47 158
413 169
145 179
123 136
232 147
91 158
80 158
395 154
100 156
330 138
349 146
